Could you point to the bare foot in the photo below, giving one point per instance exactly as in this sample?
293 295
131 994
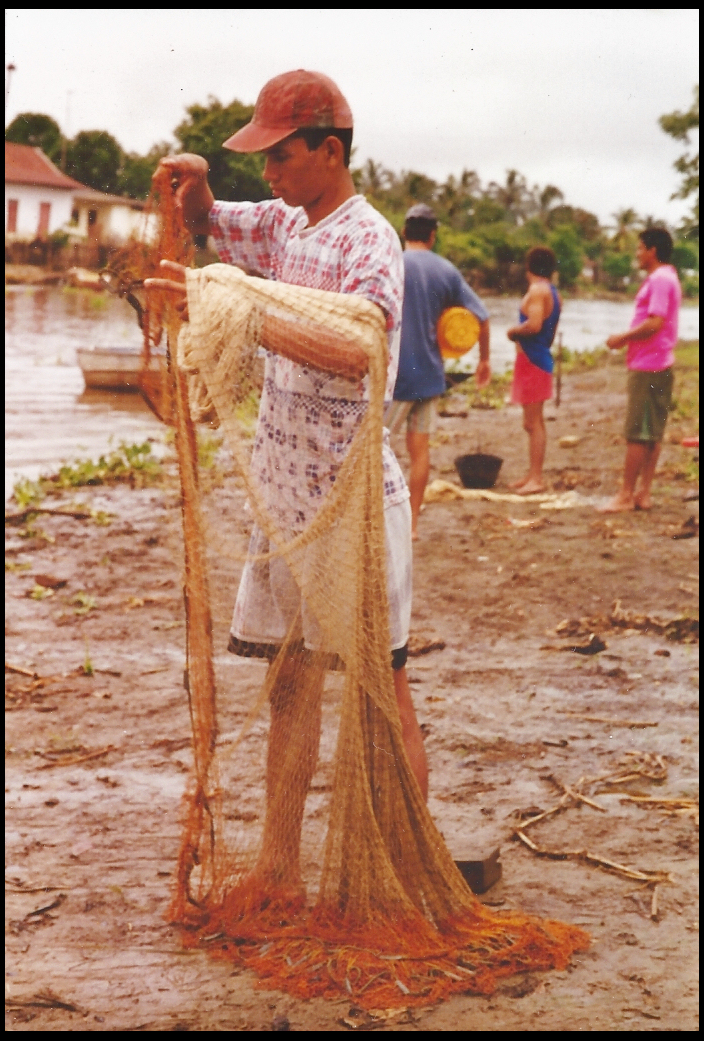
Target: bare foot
642 501
519 484
414 536
619 504
530 488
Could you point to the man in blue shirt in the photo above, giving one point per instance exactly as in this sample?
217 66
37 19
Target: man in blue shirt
431 284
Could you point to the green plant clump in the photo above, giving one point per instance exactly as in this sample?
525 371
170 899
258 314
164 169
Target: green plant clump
583 361
28 493
85 603
87 666
209 444
247 412
491 397
131 464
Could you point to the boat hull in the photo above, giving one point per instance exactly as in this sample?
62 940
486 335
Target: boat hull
117 369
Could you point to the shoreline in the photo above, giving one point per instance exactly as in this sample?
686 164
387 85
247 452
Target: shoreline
34 275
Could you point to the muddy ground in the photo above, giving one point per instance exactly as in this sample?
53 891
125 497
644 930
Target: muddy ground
96 764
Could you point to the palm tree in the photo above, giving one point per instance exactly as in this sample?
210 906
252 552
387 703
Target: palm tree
627 220
373 178
547 199
514 195
455 197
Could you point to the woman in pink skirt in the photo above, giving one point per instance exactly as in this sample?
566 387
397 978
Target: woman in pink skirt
532 375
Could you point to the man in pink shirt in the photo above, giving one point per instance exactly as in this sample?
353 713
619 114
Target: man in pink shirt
650 358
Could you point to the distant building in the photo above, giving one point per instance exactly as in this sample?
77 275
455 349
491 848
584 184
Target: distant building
104 219
41 200
38 196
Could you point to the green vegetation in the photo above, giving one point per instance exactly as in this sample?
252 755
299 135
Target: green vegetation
31 531
27 493
679 125
247 411
131 464
485 230
38 131
209 444
87 667
40 592
97 301
491 397
17 565
232 175
686 395
574 361
687 355
85 603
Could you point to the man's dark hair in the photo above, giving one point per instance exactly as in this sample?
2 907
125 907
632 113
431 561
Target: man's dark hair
419 229
661 239
541 261
314 137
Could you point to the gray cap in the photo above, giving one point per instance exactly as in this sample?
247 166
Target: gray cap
421 211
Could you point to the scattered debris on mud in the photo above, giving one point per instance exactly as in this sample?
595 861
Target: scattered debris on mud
581 767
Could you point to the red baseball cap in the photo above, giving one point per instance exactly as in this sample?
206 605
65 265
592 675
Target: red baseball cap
287 103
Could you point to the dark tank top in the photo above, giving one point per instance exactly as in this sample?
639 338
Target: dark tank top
537 345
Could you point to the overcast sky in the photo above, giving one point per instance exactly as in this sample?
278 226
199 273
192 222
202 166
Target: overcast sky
568 97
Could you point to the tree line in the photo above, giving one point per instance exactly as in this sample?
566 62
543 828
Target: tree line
485 229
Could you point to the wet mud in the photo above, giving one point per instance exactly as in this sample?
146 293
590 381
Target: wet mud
98 741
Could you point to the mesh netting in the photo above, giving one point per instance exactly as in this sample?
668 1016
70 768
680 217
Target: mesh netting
312 859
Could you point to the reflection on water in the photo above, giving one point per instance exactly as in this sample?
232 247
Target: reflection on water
128 400
51 418
49 415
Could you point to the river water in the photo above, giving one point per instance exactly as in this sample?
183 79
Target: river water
51 418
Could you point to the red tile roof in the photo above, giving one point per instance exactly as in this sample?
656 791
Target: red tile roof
93 195
27 165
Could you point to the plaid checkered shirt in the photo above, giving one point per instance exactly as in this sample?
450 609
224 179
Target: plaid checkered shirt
307 418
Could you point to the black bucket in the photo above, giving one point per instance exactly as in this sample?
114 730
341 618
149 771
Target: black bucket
453 379
478 470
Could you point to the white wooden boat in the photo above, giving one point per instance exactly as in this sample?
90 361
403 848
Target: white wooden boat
114 368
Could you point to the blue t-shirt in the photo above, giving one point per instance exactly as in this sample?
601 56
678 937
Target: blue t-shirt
431 284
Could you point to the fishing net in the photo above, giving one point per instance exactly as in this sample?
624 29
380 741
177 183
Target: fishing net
313 860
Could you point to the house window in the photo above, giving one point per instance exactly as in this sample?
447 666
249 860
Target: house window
44 213
74 216
13 206
92 217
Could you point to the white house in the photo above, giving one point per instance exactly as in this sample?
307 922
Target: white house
105 219
38 196
40 199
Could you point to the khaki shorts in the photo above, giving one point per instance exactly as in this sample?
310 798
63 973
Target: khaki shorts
419 416
649 401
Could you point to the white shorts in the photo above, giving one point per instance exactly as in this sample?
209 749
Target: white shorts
268 598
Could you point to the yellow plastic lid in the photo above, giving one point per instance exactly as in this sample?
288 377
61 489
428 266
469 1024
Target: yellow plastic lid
457 332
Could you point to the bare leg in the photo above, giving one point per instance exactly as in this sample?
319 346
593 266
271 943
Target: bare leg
534 426
625 499
292 756
410 729
418 446
642 495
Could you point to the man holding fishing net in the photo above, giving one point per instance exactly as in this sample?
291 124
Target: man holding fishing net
326 585
318 233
